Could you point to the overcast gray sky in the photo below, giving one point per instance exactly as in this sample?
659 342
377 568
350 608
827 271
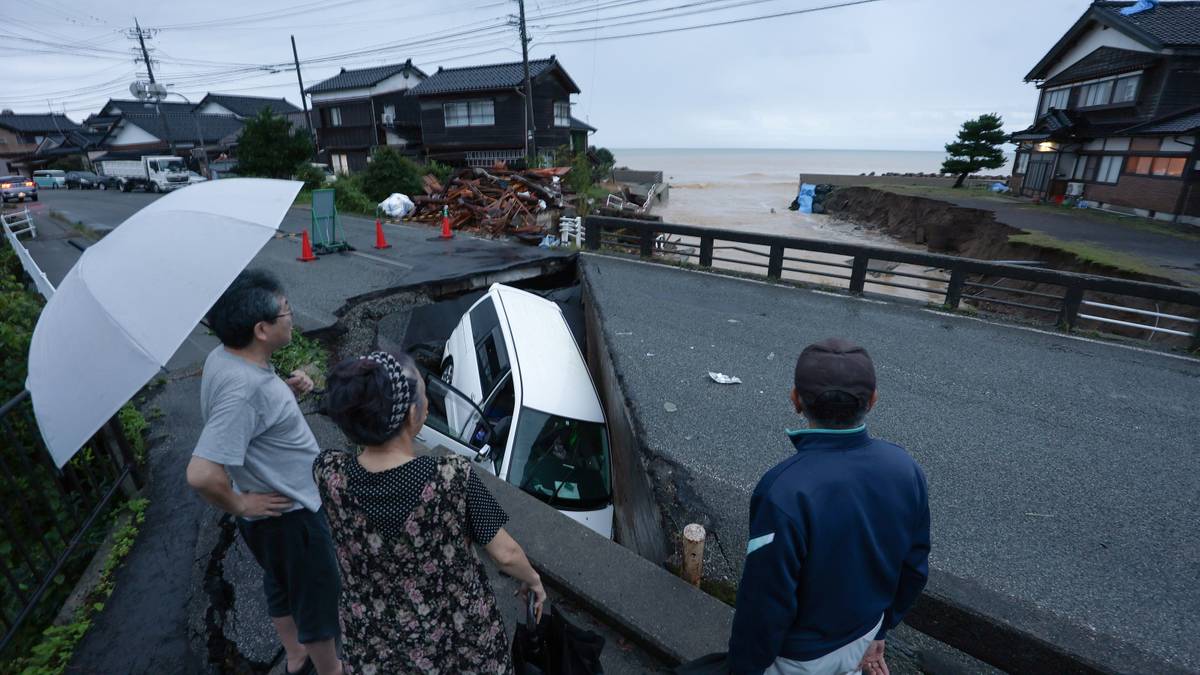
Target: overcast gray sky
888 74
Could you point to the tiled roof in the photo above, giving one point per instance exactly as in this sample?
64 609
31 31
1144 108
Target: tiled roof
36 123
249 106
363 77
579 125
1174 24
1104 61
484 78
131 106
1178 123
183 126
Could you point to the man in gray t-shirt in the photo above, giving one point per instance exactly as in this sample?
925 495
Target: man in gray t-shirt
254 461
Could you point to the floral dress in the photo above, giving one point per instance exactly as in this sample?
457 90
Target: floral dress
415 596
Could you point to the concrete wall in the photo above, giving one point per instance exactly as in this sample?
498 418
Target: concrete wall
637 523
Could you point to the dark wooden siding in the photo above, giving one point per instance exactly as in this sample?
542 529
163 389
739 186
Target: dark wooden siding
357 129
507 132
547 92
408 109
1181 89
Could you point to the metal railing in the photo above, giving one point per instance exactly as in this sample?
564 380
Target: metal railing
49 513
946 280
14 226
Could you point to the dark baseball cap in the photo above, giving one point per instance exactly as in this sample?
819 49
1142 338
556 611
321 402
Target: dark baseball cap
834 364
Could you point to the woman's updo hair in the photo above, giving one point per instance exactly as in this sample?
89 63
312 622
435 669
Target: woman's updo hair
371 397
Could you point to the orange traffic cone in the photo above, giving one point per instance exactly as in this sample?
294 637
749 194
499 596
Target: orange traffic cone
380 241
446 233
306 252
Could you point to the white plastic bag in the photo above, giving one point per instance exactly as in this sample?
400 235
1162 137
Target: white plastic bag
397 205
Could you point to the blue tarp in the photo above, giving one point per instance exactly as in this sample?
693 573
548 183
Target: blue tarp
805 198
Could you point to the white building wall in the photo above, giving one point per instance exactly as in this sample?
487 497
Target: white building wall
214 108
1098 36
398 82
132 134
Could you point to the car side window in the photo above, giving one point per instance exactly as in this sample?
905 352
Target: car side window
490 352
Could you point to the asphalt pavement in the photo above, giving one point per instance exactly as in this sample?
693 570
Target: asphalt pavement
1063 473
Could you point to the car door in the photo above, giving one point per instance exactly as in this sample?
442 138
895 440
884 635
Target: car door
472 440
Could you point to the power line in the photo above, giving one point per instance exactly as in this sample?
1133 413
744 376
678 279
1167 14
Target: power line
729 22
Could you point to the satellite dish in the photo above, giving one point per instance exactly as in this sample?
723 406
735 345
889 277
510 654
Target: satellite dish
138 89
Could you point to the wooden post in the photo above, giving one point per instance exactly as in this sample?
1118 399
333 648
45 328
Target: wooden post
706 251
775 262
858 275
693 554
954 290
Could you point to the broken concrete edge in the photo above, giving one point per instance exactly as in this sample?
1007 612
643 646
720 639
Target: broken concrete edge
659 612
1006 633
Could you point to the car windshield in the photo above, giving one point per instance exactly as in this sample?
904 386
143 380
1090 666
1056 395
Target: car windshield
561 461
86 174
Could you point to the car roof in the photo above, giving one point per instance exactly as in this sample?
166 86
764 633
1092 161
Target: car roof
12 178
550 365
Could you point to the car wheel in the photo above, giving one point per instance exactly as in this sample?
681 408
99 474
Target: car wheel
33 198
154 188
102 186
448 371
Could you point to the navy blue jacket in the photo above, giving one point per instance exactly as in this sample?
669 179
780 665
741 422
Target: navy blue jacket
839 537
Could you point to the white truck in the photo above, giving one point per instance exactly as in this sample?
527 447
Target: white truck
153 173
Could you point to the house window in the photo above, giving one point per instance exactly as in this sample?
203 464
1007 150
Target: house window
1022 162
1056 99
1096 93
340 164
1110 169
1169 167
1126 89
470 113
389 114
335 117
562 114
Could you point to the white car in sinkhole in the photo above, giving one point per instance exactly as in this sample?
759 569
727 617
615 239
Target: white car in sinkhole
514 394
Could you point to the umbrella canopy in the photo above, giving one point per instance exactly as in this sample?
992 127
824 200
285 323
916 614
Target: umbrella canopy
134 297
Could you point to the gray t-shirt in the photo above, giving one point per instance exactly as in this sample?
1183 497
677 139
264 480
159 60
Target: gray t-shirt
254 427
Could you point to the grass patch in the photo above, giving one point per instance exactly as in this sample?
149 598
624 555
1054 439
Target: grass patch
303 353
1090 253
725 591
51 655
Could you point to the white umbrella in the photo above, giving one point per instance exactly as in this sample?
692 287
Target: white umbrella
134 297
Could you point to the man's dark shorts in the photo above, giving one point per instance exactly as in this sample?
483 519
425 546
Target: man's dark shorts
300 570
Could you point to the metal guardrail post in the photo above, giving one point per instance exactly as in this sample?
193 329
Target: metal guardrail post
591 234
1070 308
858 275
647 243
706 251
775 263
1195 346
955 288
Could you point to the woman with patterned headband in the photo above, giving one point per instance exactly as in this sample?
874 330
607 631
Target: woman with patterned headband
415 597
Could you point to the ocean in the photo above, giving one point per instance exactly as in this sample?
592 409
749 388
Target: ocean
750 190
738 189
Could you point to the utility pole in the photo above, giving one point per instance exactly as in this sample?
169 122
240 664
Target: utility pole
304 100
530 142
141 38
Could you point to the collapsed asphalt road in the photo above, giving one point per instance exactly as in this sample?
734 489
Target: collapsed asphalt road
1062 472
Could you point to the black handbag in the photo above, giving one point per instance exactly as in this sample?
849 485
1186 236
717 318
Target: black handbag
713 664
555 646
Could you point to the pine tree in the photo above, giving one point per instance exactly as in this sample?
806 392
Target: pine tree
977 147
269 148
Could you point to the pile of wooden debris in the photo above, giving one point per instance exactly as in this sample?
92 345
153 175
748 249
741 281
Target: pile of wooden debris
496 200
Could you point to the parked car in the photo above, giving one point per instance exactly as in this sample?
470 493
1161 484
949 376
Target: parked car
50 178
514 394
17 188
82 180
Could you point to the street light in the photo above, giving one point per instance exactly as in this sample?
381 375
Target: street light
156 92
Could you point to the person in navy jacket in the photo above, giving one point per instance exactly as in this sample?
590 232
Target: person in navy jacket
839 533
